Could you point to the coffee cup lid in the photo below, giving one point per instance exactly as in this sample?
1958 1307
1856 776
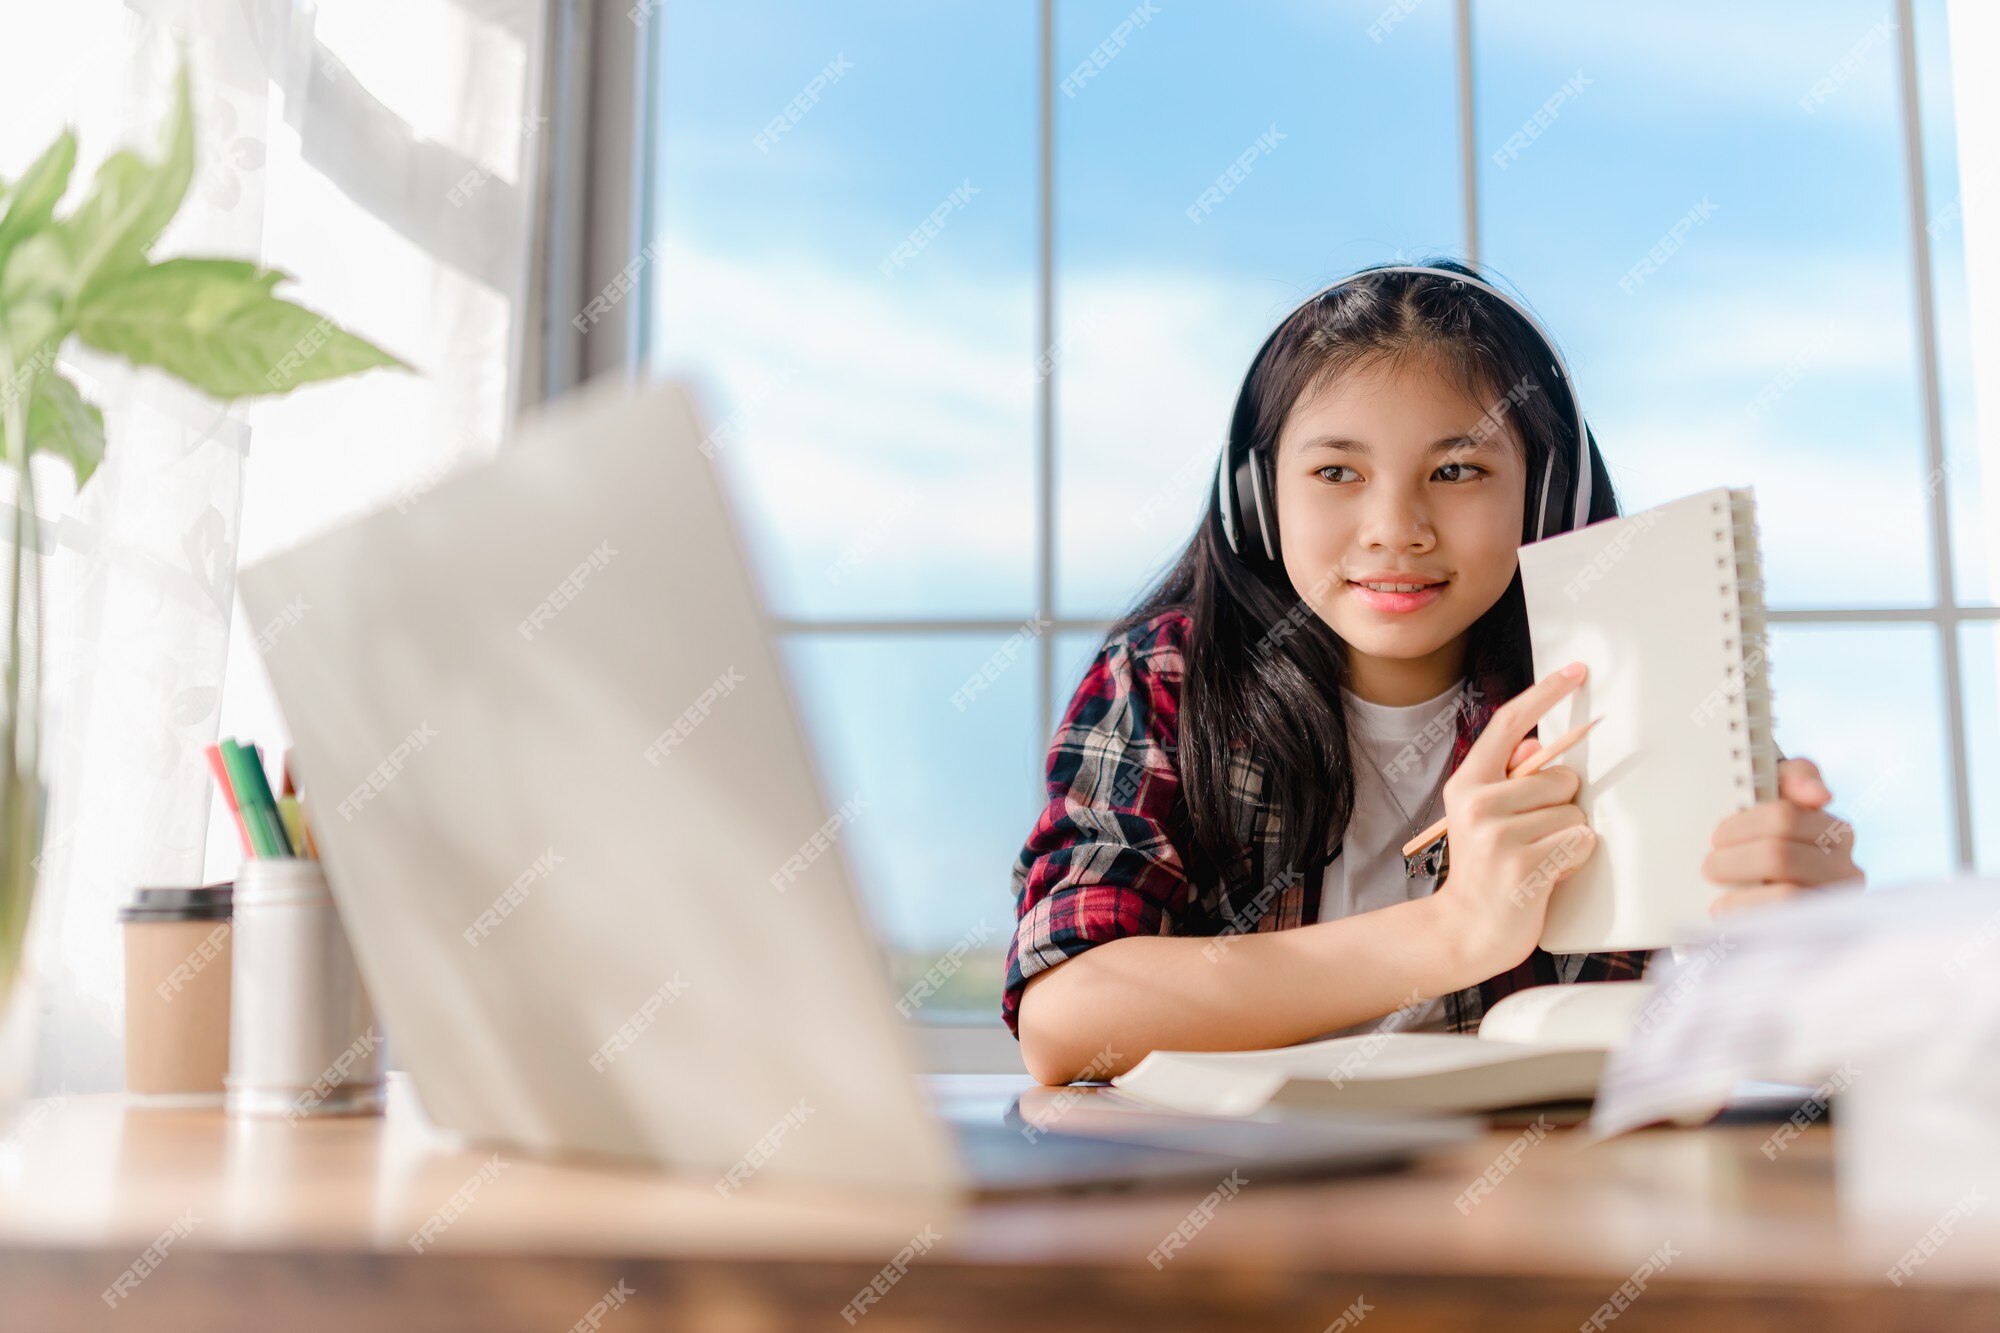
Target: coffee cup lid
210 902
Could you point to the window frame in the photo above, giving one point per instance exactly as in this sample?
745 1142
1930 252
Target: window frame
597 195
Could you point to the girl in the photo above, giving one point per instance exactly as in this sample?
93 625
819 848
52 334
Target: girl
1219 865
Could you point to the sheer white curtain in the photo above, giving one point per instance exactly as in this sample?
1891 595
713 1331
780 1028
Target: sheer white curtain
384 153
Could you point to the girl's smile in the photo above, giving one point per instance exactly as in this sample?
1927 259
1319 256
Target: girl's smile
1397 591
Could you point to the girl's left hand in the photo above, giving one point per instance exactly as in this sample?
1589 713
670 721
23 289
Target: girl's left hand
1783 847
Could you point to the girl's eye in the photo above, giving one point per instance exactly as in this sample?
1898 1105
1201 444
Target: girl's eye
1465 467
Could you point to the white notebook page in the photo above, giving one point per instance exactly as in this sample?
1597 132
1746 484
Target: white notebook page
1653 605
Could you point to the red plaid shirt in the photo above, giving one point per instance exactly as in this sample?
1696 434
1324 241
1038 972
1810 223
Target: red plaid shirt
1113 852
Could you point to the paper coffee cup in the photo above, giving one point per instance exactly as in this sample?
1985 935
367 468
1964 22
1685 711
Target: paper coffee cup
177 970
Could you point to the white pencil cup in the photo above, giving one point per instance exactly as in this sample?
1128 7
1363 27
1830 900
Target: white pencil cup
302 1034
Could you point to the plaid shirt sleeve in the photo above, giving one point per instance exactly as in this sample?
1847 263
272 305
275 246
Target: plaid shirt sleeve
1102 861
1628 965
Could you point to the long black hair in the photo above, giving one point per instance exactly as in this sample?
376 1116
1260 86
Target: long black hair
1260 665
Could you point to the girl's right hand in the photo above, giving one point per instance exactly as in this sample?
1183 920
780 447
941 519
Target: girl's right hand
1512 839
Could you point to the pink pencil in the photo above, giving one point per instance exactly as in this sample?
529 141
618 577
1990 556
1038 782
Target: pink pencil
221 772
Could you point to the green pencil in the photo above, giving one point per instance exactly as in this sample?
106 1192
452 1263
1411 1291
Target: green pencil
253 799
268 800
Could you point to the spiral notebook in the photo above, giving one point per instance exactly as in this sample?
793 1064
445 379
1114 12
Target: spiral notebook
1666 607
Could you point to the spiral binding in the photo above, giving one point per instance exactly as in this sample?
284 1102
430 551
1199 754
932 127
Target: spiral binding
1747 677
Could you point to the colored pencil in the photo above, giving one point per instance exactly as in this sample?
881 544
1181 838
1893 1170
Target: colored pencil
265 837
221 772
261 775
288 815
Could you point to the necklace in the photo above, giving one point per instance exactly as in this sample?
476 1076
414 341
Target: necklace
1431 858
1428 859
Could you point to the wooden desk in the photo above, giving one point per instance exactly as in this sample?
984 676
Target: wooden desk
308 1227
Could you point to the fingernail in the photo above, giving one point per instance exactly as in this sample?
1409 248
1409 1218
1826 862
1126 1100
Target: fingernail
1574 671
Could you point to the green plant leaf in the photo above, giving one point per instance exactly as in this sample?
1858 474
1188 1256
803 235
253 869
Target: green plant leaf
210 286
37 269
33 199
32 325
131 201
215 324
61 423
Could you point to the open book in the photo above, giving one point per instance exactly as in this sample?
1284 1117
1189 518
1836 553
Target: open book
1544 1044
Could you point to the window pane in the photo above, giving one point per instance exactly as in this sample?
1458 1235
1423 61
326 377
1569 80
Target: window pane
1973 555
1214 165
930 736
845 236
1981 662
1862 702
1709 210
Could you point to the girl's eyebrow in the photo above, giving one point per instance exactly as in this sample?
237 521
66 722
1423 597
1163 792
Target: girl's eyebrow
1449 444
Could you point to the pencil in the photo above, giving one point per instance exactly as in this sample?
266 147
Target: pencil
240 762
1534 763
267 804
221 771
253 793
288 815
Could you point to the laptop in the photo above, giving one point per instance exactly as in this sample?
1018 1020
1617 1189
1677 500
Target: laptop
593 882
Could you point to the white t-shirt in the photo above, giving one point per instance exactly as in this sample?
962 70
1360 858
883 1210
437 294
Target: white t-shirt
1400 756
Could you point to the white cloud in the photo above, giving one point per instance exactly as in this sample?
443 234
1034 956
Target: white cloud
1748 318
912 402
1713 57
883 388
1146 388
891 390
1832 532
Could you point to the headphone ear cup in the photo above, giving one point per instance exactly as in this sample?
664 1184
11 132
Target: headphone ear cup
1249 541
1249 514
1264 520
1225 501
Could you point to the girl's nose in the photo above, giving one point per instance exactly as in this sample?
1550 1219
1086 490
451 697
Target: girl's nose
1394 522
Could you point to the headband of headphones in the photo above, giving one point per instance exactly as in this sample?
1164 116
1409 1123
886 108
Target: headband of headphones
1242 497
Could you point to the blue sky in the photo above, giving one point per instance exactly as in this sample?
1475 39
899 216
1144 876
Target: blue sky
884 454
